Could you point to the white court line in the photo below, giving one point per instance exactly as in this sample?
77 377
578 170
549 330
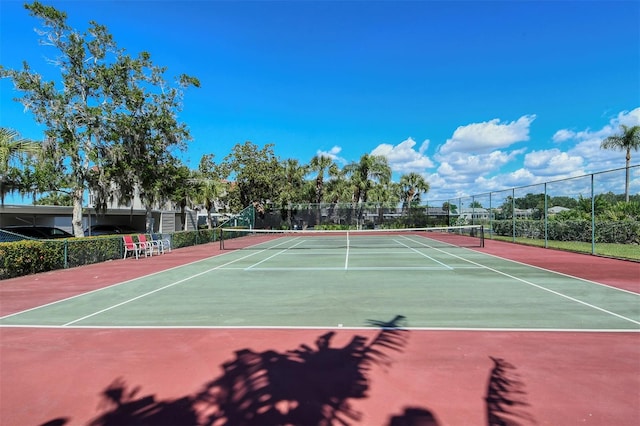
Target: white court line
356 268
112 285
530 266
327 327
423 254
353 252
557 293
346 261
346 258
274 255
624 290
159 289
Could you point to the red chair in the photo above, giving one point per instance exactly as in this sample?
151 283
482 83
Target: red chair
131 246
147 245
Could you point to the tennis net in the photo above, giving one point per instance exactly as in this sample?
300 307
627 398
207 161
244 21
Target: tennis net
262 239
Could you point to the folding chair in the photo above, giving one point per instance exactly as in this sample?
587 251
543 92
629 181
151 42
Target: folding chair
164 243
131 246
146 245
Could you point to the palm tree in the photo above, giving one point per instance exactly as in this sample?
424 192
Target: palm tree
211 186
385 196
321 164
338 191
371 169
627 141
209 191
293 186
413 185
12 146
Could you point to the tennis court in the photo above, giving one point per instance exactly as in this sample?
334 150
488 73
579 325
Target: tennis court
278 291
320 279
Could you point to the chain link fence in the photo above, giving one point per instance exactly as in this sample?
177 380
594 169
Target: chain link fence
586 213
583 213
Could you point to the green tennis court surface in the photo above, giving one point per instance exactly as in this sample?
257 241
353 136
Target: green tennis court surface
301 281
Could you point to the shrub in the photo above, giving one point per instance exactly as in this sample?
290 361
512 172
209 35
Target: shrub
26 257
30 257
618 232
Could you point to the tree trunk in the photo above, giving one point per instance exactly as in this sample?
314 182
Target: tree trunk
76 220
626 182
148 219
183 215
208 205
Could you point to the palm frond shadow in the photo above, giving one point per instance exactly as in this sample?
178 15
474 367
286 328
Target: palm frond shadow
304 386
309 385
506 399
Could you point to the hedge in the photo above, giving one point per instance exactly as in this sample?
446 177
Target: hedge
617 232
33 256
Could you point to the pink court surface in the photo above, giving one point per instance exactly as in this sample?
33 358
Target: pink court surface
173 376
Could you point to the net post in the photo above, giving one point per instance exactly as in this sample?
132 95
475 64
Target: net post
482 236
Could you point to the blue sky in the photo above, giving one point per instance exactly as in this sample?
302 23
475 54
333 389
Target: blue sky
476 96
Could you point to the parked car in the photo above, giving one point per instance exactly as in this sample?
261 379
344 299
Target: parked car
39 232
109 230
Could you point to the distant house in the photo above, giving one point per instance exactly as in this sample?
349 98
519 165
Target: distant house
475 214
523 213
436 211
556 210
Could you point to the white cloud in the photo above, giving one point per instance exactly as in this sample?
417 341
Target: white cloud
462 174
563 135
474 153
628 118
467 168
477 158
499 182
488 136
333 153
553 162
450 187
587 142
403 158
596 158
631 118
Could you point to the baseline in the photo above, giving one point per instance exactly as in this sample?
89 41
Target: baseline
319 327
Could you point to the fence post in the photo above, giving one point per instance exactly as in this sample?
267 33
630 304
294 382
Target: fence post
593 216
491 214
473 209
546 218
66 253
513 214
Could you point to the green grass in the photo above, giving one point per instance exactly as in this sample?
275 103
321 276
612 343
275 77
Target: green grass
621 251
